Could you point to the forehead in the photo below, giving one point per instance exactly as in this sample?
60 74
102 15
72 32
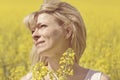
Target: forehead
45 19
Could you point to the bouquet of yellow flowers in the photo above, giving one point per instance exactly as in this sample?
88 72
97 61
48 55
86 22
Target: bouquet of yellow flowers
39 71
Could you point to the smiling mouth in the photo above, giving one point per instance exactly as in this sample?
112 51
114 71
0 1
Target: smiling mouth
40 42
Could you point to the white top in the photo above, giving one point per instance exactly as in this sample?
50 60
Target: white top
93 75
27 77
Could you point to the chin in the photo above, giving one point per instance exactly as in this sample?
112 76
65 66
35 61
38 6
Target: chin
43 51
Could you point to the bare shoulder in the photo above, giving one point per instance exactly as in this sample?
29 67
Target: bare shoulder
104 77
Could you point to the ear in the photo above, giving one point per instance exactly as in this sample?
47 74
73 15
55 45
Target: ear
68 32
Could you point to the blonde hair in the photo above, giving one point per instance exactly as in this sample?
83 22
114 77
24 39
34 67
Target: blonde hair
65 14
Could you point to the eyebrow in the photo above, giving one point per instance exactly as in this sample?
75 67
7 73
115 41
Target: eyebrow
34 26
37 25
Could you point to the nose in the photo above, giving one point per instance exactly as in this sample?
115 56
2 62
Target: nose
35 35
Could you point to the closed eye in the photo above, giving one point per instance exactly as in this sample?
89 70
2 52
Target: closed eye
42 26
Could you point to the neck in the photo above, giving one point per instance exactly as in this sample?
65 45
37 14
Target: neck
53 64
78 71
53 61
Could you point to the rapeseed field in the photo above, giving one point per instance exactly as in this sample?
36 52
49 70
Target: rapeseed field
102 20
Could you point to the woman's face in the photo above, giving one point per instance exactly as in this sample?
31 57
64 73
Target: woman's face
48 35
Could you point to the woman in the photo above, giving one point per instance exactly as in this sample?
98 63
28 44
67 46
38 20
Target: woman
56 27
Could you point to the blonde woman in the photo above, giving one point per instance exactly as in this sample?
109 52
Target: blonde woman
56 27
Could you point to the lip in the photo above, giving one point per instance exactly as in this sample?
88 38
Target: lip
39 42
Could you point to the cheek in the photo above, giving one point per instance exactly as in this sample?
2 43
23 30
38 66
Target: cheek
54 34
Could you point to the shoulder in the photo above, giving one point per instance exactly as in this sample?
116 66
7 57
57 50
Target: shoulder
104 77
93 75
96 75
27 77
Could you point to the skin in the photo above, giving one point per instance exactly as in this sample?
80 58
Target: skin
52 37
50 34
51 40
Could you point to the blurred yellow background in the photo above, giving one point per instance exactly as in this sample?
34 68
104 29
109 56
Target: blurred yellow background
102 20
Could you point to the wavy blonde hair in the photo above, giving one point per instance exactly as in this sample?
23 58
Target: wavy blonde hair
64 14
